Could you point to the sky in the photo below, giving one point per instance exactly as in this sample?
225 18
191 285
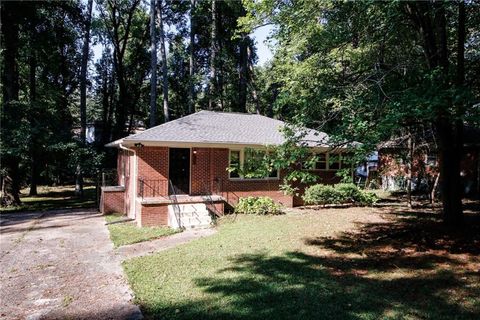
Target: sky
263 51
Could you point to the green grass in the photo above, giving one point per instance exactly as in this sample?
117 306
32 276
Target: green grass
303 267
50 198
124 233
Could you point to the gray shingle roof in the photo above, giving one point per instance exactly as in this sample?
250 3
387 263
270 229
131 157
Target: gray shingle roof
223 128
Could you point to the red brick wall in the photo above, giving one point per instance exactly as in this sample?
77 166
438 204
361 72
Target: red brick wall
209 173
200 171
153 215
389 164
153 169
210 166
112 202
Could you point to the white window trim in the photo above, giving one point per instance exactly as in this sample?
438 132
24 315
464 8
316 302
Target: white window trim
242 161
327 164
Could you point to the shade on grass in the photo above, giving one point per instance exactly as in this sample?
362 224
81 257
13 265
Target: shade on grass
295 267
50 198
124 233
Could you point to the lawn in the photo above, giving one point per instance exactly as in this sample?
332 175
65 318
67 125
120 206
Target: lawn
357 263
49 198
123 233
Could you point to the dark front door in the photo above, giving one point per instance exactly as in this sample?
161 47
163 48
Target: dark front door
179 171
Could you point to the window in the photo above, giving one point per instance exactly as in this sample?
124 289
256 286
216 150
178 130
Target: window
249 164
329 161
333 161
234 163
321 163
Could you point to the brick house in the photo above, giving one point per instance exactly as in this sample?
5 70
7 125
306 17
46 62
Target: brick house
176 173
393 169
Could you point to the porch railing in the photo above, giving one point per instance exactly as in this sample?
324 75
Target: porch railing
176 207
151 188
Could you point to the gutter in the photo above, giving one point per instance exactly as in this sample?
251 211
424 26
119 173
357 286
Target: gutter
135 168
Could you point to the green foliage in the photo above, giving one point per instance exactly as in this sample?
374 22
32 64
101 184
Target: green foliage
258 206
322 194
367 198
337 194
66 156
349 192
345 175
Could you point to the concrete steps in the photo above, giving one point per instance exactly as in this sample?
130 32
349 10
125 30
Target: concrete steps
191 215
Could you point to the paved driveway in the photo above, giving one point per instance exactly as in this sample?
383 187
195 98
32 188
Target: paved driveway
60 265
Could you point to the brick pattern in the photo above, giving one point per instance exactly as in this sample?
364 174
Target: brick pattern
153 215
112 202
209 166
208 174
153 169
200 171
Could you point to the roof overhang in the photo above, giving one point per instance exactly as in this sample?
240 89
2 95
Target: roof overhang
208 144
115 144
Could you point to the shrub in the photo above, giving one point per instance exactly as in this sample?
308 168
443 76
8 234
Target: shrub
349 192
322 194
257 205
368 198
337 194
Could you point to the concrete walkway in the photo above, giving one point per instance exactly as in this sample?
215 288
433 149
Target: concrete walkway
149 247
61 265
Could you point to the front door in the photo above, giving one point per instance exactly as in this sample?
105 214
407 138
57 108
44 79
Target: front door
179 171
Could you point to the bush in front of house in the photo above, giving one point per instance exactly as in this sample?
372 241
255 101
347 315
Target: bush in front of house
320 194
257 205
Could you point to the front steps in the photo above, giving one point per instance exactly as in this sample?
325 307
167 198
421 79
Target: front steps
188 215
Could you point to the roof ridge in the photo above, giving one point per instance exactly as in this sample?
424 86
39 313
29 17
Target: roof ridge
235 112
188 115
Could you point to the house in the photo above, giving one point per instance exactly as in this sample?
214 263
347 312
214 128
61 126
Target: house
176 173
393 169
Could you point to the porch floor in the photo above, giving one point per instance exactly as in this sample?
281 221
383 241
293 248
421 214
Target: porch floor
182 199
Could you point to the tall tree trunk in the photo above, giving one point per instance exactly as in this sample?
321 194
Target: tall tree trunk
83 73
450 132
409 169
83 95
434 34
191 82
10 30
253 81
213 58
32 115
119 35
242 90
452 135
166 111
153 64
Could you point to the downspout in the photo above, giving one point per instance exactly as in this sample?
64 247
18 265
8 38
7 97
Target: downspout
134 178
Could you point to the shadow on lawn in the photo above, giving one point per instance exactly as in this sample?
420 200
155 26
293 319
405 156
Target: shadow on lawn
51 200
400 269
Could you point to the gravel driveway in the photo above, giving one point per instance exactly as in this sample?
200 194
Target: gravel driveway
61 265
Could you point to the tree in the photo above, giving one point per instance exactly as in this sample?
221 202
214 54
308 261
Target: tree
363 71
10 94
153 68
191 84
163 53
213 58
120 18
83 93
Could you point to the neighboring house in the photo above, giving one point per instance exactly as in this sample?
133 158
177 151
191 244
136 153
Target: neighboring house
176 173
392 167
